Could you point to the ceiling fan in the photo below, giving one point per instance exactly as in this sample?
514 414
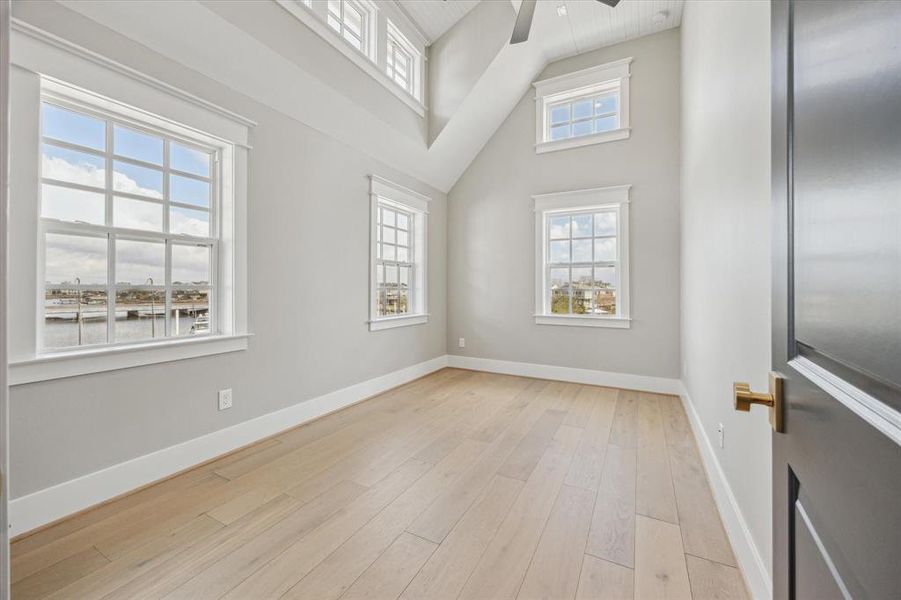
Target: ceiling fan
524 19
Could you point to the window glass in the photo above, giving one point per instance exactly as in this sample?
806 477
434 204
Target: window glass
606 124
606 104
401 60
140 269
72 166
582 109
582 263
191 312
605 249
189 221
75 317
188 190
350 20
74 205
189 160
134 179
140 314
586 115
75 259
394 262
72 127
190 264
560 114
129 213
139 146
605 223
140 262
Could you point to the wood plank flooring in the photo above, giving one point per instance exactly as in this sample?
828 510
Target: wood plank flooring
457 485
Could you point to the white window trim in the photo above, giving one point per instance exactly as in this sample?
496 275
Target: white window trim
171 107
313 15
110 358
572 85
418 204
63 96
369 14
546 205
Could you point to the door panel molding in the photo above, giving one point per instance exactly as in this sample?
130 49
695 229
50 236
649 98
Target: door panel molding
878 414
821 548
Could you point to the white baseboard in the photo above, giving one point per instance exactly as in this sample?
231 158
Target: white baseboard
644 383
750 561
53 503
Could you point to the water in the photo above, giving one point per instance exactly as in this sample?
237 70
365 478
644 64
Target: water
64 334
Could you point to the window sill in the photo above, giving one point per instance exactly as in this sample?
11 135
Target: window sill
585 140
582 321
392 322
83 362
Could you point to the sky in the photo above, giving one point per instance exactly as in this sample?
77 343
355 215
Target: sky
136 261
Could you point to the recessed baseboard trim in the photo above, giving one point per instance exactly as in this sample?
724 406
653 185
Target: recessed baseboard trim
644 383
747 554
54 503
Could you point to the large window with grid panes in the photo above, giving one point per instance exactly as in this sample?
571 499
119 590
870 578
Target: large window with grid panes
582 258
128 230
399 256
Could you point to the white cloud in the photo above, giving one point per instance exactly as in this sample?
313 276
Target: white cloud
54 167
68 256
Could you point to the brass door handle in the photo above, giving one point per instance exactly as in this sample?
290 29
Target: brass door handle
744 398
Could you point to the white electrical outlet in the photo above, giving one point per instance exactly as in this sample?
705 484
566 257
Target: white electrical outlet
225 399
721 435
462 343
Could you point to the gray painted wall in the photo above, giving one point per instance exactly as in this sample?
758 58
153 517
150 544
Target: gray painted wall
459 58
308 267
491 244
726 239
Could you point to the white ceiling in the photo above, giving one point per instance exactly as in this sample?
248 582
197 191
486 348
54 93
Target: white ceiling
435 17
588 24
197 35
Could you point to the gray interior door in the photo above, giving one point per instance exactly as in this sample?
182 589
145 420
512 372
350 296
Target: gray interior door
837 298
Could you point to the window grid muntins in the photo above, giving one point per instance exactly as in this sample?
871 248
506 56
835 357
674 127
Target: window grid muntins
400 65
351 21
585 115
395 261
582 265
128 222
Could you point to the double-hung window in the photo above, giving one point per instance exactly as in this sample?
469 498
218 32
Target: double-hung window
399 257
581 108
129 227
353 20
402 61
582 258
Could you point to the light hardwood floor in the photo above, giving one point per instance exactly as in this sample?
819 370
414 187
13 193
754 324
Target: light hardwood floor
457 485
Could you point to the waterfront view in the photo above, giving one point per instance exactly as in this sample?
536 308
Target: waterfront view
78 319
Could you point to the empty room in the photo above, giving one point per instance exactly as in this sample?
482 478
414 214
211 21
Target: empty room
450 299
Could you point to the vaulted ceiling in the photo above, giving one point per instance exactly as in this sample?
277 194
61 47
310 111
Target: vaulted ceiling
435 17
260 50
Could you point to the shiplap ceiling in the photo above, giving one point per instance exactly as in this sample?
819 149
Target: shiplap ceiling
592 24
435 17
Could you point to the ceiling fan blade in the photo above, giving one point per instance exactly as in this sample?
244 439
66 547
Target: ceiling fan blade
523 21
610 3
